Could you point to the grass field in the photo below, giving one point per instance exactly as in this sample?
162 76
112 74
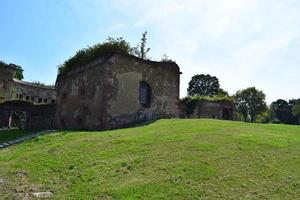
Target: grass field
168 159
7 135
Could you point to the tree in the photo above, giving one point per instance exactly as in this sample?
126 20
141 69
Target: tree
282 111
296 110
222 93
250 103
141 50
203 85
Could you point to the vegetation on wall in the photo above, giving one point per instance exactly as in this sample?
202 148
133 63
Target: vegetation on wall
110 46
86 55
141 50
18 73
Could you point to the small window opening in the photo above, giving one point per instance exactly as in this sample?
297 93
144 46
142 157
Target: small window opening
145 94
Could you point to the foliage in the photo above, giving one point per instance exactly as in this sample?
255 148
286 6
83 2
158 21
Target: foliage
223 93
266 117
203 85
89 54
168 159
296 110
250 103
18 73
165 58
141 50
110 46
282 111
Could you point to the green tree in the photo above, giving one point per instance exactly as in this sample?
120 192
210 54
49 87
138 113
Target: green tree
250 103
283 111
141 50
222 93
203 85
296 110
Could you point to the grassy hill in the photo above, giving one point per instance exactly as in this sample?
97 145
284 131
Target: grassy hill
168 159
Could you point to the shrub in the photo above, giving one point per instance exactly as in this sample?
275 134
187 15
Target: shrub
89 54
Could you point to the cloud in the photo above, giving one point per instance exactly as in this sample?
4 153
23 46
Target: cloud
235 40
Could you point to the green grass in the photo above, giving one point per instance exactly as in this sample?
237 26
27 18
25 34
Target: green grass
7 135
169 159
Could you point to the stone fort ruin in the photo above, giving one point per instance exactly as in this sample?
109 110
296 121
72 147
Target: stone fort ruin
25 105
112 91
11 88
116 91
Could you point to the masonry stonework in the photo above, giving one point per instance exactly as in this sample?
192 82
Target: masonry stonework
208 109
6 83
13 89
110 93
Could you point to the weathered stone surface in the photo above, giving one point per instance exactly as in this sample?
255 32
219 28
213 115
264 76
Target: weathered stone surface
11 88
213 110
105 94
42 194
35 117
2 181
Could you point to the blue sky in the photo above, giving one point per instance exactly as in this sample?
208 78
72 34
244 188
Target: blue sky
242 42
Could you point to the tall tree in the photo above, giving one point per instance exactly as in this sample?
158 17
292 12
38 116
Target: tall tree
282 111
203 85
250 103
296 111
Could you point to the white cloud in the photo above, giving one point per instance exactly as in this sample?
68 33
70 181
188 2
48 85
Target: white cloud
233 39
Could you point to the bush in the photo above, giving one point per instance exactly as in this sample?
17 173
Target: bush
86 55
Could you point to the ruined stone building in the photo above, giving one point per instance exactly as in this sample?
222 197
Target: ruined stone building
117 91
13 89
25 105
208 109
112 91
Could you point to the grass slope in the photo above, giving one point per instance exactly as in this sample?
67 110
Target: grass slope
169 159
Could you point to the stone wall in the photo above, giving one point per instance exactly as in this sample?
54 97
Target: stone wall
26 115
106 93
209 109
6 83
34 93
11 88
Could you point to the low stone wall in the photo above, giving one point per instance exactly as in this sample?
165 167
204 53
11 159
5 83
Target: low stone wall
209 109
25 115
